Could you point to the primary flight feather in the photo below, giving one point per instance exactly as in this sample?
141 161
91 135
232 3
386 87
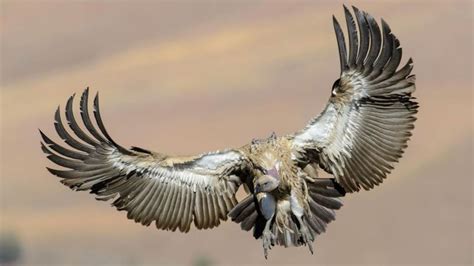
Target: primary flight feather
357 138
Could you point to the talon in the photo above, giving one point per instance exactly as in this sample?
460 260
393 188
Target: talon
310 246
267 239
307 238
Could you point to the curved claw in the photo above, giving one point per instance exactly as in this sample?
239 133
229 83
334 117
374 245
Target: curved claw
307 238
268 239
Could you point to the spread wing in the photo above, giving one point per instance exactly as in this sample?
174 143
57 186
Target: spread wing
368 120
173 192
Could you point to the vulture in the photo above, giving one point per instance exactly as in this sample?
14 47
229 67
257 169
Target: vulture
357 138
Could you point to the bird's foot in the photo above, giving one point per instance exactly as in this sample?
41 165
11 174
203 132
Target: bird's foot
268 239
307 238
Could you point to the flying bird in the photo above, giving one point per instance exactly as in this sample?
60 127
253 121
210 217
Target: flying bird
360 134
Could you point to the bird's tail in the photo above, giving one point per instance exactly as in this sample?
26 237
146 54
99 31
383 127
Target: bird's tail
323 200
286 228
245 213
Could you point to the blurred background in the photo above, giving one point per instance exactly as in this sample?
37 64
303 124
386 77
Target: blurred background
185 77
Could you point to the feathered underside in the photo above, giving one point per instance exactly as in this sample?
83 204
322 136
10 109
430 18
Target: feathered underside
323 201
368 120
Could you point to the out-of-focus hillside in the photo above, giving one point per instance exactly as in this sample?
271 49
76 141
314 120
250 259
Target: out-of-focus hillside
189 77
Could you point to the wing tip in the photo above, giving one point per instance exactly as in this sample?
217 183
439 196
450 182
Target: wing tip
385 26
45 149
345 8
44 137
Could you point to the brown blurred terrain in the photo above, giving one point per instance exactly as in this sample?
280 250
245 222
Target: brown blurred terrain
188 77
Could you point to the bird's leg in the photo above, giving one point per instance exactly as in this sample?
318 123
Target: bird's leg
268 237
307 236
298 210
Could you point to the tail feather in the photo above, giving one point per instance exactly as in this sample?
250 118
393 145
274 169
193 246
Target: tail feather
287 235
246 214
248 223
323 200
242 210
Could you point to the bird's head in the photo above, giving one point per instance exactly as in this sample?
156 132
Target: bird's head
266 183
268 178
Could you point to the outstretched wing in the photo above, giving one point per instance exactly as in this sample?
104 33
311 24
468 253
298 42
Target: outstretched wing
365 127
172 191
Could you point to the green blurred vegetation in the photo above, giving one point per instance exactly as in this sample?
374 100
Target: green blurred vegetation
202 260
10 248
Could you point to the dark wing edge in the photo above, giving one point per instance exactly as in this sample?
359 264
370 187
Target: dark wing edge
324 200
173 192
370 115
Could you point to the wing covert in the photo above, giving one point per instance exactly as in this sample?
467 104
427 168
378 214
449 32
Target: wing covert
368 120
173 192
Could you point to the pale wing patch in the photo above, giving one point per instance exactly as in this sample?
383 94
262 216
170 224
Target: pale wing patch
365 127
173 192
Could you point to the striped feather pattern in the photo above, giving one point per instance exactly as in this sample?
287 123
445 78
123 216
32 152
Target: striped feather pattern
365 127
170 191
323 200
